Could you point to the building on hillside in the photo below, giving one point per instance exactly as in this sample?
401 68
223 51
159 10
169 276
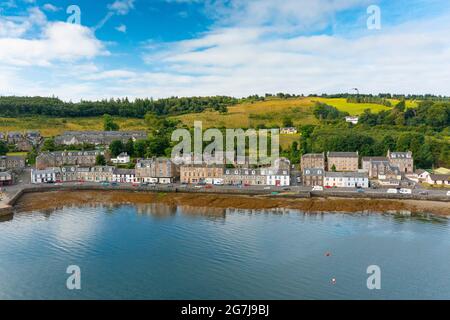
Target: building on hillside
352 120
313 176
313 160
403 160
124 176
103 138
346 180
343 161
49 175
23 141
12 163
200 173
63 158
288 130
6 178
156 170
122 158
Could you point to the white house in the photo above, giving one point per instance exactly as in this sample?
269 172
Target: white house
122 158
438 179
124 176
288 130
353 120
346 179
46 175
279 178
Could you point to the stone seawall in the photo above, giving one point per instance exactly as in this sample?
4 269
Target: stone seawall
8 208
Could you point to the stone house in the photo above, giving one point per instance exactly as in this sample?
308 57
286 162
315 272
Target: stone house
403 160
313 176
62 158
343 161
313 160
12 163
246 176
103 138
199 173
156 170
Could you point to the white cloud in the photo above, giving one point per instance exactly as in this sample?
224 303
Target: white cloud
247 52
122 28
60 42
50 7
17 26
121 7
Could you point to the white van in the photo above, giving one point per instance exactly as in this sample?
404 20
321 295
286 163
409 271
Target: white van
394 191
448 193
405 191
317 188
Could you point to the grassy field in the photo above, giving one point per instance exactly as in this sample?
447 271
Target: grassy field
270 113
245 115
353 108
54 126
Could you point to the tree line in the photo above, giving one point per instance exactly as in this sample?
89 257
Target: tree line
435 115
12 106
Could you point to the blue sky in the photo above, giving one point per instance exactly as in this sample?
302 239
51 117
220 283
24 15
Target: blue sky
160 48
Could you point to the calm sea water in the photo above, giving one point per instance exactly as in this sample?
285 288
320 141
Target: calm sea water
161 252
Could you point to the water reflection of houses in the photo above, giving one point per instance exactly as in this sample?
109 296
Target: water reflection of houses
214 213
159 210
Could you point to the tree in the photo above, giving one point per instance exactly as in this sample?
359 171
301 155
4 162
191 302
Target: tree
109 124
388 144
129 147
287 122
157 146
401 106
31 156
333 168
116 147
3 148
140 148
100 160
49 145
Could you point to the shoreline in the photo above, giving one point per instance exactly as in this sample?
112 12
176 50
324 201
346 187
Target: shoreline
26 201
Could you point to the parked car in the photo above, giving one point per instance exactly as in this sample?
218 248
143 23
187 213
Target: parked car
423 193
448 193
317 188
359 190
393 191
198 186
405 191
114 184
266 188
